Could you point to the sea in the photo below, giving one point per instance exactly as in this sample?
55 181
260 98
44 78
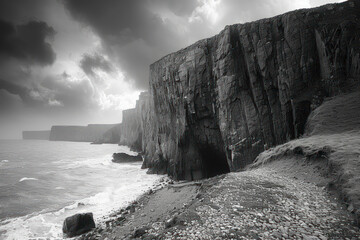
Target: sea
43 182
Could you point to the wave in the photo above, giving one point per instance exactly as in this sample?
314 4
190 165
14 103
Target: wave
28 179
48 223
4 161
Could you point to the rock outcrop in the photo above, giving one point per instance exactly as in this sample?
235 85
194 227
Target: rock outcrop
126 158
215 105
37 135
89 133
132 127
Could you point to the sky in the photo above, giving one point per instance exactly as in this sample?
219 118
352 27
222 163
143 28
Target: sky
76 62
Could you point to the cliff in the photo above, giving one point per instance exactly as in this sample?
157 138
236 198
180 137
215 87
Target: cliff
111 136
38 135
89 133
132 125
215 105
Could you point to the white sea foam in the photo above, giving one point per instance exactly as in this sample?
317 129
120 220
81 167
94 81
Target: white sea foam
48 224
108 187
4 161
28 179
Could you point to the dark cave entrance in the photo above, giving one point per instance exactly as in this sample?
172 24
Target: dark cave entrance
302 110
214 162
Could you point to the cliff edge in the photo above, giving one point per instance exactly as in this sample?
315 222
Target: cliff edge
215 105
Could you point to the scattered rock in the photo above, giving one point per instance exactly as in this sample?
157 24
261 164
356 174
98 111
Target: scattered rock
176 220
140 232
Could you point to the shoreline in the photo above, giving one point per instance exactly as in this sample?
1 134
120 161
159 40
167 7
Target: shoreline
261 203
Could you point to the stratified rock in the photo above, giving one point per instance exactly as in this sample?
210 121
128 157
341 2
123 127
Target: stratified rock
78 224
123 158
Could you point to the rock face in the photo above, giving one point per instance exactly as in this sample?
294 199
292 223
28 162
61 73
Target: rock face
89 133
38 135
78 224
133 123
111 136
215 105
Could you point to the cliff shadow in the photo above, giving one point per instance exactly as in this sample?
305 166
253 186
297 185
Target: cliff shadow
214 161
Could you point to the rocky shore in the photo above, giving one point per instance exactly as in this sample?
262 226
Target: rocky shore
263 203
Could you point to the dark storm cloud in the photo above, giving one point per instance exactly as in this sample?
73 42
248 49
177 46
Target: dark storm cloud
27 42
71 95
14 89
130 32
179 8
89 63
23 10
24 93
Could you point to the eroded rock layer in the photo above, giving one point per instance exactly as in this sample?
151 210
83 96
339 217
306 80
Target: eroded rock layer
215 105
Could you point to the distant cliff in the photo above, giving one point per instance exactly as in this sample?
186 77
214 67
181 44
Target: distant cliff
38 135
215 105
89 133
131 127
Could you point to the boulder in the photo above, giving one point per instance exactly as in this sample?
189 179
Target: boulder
124 158
78 224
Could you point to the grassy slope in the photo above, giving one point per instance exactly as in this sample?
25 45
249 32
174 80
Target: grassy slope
332 135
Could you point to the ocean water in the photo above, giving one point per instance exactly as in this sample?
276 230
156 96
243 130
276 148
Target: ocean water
43 182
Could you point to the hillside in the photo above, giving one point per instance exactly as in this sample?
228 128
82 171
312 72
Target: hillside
332 144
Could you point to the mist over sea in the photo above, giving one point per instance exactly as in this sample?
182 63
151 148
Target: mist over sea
43 182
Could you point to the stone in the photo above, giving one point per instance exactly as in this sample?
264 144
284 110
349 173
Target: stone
78 224
140 232
176 220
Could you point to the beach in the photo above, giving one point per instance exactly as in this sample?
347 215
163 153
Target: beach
262 203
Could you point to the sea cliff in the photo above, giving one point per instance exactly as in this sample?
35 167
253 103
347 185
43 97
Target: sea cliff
215 105
37 135
89 133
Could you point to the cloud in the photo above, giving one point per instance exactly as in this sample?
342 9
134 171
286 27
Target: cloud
9 102
22 92
89 63
27 42
131 33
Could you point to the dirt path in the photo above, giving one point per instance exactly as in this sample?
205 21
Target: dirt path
257 204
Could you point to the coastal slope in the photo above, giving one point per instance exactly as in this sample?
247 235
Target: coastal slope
332 144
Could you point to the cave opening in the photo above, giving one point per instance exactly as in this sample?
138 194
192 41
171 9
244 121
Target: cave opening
214 162
303 110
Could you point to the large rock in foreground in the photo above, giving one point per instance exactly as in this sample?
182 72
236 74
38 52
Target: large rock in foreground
78 224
